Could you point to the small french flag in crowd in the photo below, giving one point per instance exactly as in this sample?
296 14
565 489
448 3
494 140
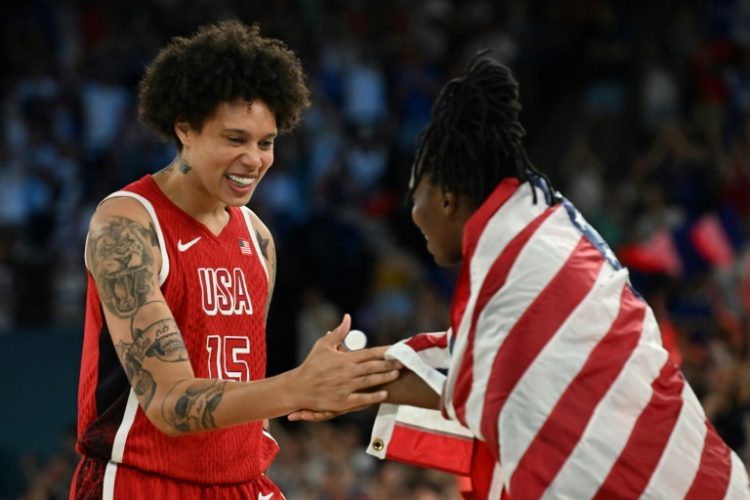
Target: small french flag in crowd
245 247
711 238
714 239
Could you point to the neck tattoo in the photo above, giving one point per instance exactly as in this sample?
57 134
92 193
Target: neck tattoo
184 167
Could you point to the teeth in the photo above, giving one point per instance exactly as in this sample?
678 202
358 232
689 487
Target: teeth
242 181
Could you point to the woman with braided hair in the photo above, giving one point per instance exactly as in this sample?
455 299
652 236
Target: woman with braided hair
551 380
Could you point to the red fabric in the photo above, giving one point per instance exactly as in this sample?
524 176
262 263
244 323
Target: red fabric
477 486
133 484
629 476
495 280
474 228
534 329
712 479
566 423
441 451
568 371
482 467
424 341
224 339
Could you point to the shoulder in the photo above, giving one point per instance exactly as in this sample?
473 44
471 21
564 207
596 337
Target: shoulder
257 224
120 204
120 210
118 221
264 239
262 233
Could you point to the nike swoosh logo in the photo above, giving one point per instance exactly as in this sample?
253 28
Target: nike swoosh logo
261 496
184 246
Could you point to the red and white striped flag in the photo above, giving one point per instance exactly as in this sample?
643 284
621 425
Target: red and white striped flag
416 435
557 367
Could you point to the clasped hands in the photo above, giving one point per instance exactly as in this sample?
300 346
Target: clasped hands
334 381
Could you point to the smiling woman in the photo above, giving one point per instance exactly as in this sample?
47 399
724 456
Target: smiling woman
180 277
223 160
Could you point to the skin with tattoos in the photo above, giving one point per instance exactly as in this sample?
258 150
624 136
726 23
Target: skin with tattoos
184 167
219 165
178 296
124 259
195 406
120 257
121 252
263 244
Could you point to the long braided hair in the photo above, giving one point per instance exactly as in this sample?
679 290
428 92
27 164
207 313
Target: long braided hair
474 138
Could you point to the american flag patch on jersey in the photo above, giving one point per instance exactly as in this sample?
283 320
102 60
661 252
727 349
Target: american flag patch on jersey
245 247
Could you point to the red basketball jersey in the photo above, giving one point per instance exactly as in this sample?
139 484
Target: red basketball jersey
216 288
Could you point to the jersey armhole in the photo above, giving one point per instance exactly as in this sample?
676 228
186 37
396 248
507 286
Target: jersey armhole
164 271
247 214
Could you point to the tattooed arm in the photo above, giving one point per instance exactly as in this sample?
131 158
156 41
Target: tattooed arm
124 259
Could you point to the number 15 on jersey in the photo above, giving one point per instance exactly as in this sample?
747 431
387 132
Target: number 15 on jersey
224 357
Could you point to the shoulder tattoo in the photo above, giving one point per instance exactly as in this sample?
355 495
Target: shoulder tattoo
121 261
262 243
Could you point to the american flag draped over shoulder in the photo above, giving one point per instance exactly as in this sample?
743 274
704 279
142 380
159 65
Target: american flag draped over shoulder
416 435
556 367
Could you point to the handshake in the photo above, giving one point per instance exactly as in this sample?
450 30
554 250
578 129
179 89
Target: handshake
340 375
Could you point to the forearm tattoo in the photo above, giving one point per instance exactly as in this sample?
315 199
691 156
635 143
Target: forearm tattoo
141 380
192 408
160 339
121 261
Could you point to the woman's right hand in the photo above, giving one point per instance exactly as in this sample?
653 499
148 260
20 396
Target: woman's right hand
333 380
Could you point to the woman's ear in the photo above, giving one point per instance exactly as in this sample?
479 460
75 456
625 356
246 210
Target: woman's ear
182 131
450 202
457 207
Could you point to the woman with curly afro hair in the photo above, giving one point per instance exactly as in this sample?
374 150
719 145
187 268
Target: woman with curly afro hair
180 276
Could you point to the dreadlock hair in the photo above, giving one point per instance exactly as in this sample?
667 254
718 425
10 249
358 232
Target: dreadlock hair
474 138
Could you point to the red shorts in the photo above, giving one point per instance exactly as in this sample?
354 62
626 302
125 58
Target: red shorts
92 480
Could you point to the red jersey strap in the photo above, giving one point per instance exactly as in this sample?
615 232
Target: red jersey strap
248 214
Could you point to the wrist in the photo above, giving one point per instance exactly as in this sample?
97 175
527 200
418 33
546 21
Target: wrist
289 393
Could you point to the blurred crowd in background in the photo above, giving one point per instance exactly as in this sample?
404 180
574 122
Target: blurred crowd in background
638 111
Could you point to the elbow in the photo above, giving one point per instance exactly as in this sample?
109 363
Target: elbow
164 413
186 408
163 426
169 431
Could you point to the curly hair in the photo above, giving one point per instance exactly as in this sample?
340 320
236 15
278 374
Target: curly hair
191 77
473 140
